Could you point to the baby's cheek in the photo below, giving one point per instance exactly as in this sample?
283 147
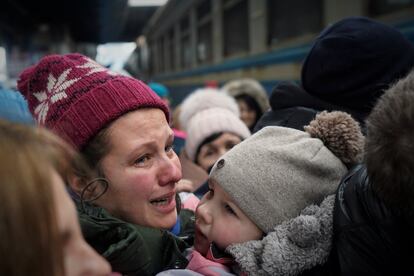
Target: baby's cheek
228 237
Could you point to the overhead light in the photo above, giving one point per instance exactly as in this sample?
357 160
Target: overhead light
146 3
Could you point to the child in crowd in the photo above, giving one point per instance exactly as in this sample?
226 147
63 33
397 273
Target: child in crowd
349 66
270 200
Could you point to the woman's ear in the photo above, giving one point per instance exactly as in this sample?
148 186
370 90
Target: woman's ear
76 184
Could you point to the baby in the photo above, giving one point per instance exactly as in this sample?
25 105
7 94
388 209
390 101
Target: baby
270 200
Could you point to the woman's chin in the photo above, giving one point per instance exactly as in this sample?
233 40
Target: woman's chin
167 222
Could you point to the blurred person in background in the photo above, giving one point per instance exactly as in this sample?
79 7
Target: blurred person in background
251 98
179 136
350 65
211 121
13 107
352 62
162 91
121 127
39 226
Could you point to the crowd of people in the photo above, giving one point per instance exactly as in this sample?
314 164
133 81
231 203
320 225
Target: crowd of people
100 177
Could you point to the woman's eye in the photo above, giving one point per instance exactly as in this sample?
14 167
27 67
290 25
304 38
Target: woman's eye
230 146
229 209
141 161
208 153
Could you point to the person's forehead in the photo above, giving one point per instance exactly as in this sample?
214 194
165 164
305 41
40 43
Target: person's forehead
138 128
144 118
215 185
226 136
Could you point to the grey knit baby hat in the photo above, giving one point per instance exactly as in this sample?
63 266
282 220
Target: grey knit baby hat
274 174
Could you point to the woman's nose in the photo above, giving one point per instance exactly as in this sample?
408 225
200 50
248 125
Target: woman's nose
169 170
221 152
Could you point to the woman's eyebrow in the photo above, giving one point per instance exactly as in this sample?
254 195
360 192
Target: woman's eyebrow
140 148
211 146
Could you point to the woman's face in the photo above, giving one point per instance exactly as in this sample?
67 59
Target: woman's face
79 257
142 169
247 114
211 152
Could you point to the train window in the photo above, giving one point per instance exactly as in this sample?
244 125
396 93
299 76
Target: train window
184 25
235 27
160 52
171 50
153 57
380 7
287 22
204 9
204 33
185 43
204 45
185 52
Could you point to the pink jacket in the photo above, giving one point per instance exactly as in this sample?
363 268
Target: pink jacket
209 265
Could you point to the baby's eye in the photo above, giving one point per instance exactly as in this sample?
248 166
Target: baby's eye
229 209
210 192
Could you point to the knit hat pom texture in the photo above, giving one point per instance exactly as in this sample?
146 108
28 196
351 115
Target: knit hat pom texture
340 133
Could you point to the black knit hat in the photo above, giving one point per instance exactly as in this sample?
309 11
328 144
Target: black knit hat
353 61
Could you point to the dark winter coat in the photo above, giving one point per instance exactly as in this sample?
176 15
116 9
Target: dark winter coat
369 238
132 249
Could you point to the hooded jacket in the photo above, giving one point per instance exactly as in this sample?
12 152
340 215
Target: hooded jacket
132 249
369 237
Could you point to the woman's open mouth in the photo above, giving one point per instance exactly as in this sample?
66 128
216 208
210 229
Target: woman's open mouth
165 203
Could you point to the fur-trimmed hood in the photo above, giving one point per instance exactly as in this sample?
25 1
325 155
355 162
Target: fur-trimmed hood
292 247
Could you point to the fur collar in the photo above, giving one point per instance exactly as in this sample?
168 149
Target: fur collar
293 247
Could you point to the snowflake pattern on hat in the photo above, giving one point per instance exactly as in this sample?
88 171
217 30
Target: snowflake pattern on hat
76 97
94 67
56 88
55 91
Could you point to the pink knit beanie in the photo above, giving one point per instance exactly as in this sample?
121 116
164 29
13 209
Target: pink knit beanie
76 97
208 122
206 112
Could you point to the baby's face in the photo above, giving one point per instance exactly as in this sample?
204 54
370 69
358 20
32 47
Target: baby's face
219 220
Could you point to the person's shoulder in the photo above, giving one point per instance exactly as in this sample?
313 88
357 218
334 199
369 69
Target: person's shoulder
358 207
